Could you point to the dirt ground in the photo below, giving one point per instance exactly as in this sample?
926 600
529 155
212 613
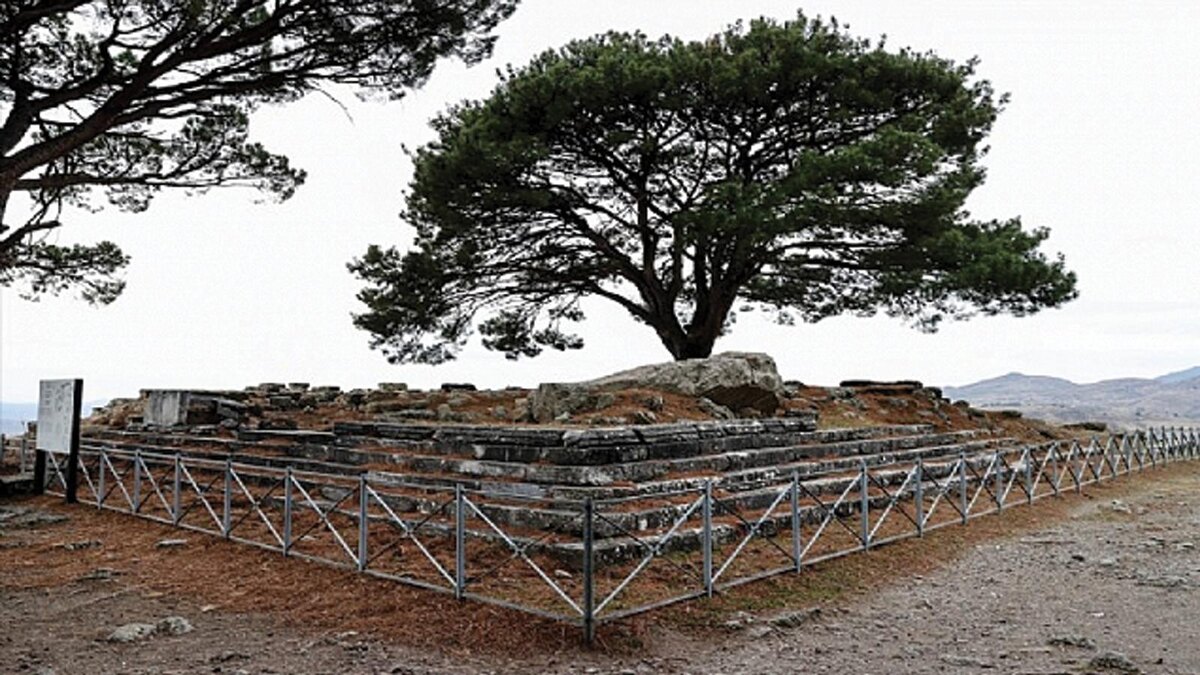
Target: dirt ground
1095 583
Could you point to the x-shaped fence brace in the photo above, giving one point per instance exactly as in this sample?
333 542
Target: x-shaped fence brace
519 551
409 532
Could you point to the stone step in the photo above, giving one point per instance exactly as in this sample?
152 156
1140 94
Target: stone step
569 447
509 505
16 484
636 472
743 479
505 485
589 447
276 461
635 516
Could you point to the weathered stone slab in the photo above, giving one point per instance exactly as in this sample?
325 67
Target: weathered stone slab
734 380
166 407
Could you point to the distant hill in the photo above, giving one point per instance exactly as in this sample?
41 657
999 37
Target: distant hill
1181 376
18 411
1170 399
13 416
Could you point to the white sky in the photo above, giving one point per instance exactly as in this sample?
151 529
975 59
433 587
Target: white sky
1098 143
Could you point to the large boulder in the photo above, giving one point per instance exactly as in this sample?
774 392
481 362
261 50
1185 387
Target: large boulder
735 380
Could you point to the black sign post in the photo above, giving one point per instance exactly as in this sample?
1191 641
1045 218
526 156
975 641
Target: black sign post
60 405
39 472
73 455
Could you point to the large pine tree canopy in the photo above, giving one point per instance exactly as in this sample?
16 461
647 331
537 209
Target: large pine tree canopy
130 97
784 166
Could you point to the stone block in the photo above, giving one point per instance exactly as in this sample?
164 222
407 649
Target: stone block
166 407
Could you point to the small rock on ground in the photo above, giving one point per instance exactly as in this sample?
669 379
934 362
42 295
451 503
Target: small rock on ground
174 625
1115 662
793 619
131 632
1078 641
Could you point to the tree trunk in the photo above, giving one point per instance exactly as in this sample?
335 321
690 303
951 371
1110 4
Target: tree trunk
686 345
697 349
696 340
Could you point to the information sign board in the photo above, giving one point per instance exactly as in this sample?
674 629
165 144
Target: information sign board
56 420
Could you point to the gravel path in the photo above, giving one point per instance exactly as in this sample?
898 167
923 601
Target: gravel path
1117 585
1113 587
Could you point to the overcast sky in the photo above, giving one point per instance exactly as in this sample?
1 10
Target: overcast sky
1099 144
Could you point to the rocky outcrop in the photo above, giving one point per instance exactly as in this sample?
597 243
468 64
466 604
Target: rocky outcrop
734 380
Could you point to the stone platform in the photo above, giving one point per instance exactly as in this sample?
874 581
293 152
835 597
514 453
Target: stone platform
534 480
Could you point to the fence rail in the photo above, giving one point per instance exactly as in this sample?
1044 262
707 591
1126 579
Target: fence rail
593 561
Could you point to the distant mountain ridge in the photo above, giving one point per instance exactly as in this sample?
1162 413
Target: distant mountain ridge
1170 399
13 416
1181 376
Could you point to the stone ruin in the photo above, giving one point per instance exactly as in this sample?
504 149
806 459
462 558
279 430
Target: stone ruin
727 387
749 431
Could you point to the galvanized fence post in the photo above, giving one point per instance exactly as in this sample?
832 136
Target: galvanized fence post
1105 458
363 521
1054 482
998 481
227 509
919 496
1114 457
796 543
287 511
137 481
864 505
1077 476
460 541
100 479
177 491
1029 475
707 535
962 485
589 573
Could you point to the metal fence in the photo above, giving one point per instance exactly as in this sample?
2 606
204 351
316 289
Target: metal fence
591 561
